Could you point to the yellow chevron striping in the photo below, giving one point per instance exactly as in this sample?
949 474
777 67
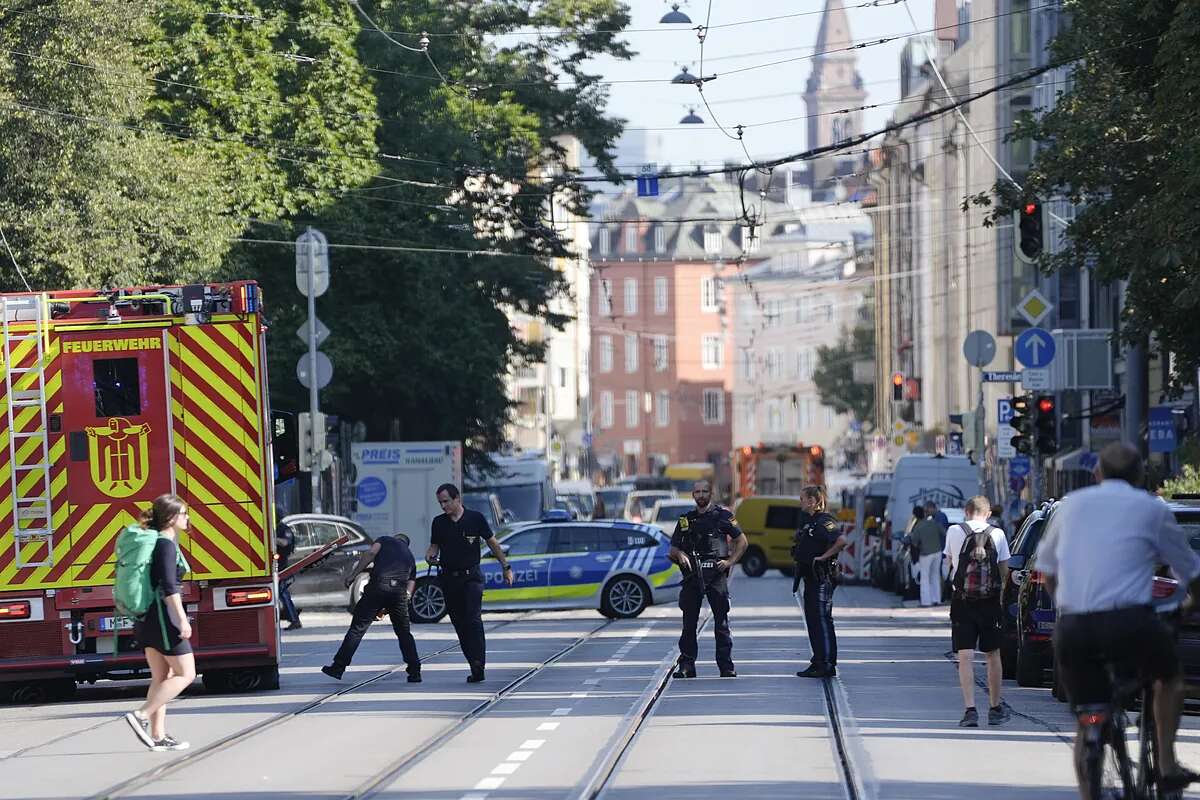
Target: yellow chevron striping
201 561
220 537
234 526
236 341
200 338
196 392
197 430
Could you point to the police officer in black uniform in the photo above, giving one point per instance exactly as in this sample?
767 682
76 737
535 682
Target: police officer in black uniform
815 550
701 548
455 537
390 586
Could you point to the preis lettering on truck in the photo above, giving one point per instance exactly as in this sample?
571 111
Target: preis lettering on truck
107 401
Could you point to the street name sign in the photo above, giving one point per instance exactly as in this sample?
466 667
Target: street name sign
1001 377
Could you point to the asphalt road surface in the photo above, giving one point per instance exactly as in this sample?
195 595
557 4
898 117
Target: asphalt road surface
575 706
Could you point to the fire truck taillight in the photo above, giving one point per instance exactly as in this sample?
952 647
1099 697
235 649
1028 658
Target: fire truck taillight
248 597
19 609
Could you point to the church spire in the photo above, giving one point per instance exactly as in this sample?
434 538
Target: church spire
834 87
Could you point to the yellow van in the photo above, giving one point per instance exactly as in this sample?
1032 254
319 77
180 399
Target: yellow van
682 476
770 523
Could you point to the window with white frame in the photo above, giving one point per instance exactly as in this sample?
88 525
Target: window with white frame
712 351
749 413
804 413
751 239
660 295
605 241
606 409
662 409
661 353
712 240
631 352
660 239
828 417
605 297
631 238
631 408
793 362
606 353
772 313
803 308
710 294
822 308
631 296
774 416
774 363
746 363
713 411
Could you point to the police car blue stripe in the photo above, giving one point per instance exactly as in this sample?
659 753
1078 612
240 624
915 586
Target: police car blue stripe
644 561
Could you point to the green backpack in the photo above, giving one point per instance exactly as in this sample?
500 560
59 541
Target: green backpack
132 591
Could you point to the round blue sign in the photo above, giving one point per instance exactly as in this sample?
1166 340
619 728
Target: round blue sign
371 492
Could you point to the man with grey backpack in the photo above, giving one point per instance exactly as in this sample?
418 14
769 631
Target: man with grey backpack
978 554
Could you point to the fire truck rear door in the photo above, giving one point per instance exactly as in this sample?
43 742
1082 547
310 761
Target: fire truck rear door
116 416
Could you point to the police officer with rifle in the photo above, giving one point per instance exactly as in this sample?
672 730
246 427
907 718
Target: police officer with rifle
815 551
701 546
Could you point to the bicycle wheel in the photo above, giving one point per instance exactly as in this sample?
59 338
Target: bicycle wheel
1107 762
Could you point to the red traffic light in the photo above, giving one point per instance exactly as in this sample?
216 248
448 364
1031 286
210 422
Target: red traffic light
1030 209
1045 405
897 379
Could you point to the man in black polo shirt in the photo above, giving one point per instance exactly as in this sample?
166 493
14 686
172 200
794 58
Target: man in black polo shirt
455 537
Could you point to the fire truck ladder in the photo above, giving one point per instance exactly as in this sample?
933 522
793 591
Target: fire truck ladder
30 498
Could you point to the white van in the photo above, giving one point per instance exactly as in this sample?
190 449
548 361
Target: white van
949 481
522 482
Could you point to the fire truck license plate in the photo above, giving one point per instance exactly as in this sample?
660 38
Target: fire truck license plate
106 624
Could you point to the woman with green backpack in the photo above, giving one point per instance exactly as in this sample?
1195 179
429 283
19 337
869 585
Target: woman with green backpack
149 569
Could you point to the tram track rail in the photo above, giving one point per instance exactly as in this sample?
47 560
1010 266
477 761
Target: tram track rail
382 779
237 737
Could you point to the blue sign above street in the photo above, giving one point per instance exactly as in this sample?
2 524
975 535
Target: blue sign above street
1035 348
1162 430
647 186
1018 467
1001 377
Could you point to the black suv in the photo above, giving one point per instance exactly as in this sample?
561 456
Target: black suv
1022 547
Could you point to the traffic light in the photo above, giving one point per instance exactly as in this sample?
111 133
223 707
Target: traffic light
1046 428
310 438
1022 422
1029 231
898 386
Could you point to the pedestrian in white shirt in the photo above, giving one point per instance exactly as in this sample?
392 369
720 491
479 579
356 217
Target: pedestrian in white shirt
975 611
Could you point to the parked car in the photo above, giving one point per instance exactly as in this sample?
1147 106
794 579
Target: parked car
770 523
328 577
1036 615
639 503
582 493
613 499
1022 548
666 513
567 504
619 568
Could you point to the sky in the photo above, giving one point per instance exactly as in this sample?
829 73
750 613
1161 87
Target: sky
749 97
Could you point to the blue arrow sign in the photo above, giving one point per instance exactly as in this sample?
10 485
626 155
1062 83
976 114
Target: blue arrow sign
1035 348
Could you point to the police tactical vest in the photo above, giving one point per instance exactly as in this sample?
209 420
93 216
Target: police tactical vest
704 533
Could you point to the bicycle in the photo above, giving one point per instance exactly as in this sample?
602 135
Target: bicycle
1111 774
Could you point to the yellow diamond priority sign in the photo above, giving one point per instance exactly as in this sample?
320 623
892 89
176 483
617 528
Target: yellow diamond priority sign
1034 307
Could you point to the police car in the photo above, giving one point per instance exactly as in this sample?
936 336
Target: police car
616 567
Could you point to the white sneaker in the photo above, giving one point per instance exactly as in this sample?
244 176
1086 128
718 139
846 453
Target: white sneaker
141 727
169 742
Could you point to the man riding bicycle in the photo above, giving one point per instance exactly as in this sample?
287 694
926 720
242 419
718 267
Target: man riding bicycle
1099 554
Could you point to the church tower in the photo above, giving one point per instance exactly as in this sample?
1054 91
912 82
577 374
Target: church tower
834 85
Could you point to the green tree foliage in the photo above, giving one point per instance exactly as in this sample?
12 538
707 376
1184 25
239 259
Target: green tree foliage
834 374
92 194
178 140
1123 143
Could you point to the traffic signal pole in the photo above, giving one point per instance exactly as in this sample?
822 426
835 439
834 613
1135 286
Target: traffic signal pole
311 456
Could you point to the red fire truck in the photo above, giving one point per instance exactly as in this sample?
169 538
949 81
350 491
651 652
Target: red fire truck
777 469
108 400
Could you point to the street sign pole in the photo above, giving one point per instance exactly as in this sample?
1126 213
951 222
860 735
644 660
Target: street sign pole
313 410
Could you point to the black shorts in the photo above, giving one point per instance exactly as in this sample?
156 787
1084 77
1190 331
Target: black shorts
156 631
1134 639
975 625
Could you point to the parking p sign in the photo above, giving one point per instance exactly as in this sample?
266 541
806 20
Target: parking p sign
1004 431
